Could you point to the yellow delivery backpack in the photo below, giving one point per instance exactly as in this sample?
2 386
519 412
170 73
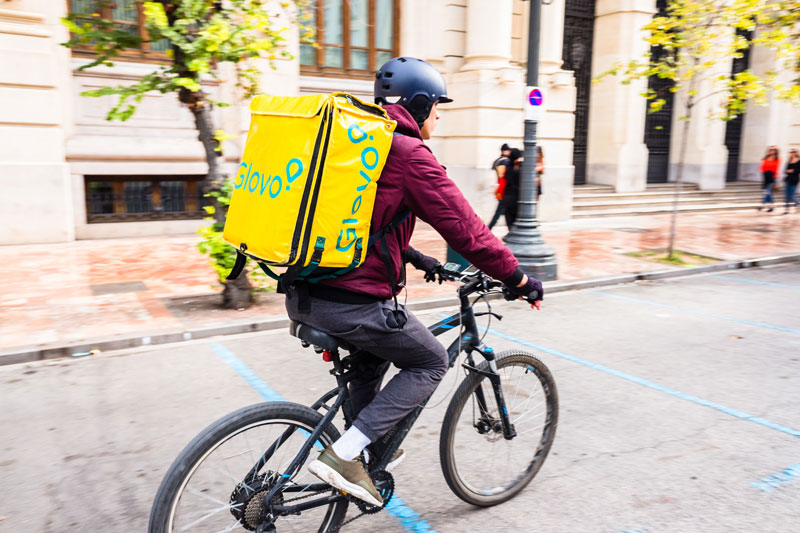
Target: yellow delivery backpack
305 189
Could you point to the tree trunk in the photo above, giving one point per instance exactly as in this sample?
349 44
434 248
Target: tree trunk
679 174
205 128
238 293
678 181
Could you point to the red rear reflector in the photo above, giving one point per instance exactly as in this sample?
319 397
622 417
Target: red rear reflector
326 356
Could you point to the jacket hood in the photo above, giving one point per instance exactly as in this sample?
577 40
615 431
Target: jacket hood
405 123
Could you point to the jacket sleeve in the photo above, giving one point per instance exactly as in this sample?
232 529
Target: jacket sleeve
416 258
432 196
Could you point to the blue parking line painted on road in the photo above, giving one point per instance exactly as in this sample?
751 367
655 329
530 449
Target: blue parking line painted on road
700 313
770 483
655 386
396 507
243 370
743 280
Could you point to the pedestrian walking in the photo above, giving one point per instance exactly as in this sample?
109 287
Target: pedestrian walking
499 166
791 178
539 171
770 166
511 196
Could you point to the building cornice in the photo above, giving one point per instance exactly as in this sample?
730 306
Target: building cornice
15 22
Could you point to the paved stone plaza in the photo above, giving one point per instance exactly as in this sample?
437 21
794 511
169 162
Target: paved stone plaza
79 291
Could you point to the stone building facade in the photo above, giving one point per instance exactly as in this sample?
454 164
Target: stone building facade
69 174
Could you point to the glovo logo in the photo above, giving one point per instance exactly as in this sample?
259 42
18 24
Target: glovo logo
259 182
369 161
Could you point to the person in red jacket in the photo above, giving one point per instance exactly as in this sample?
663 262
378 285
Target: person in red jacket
770 166
361 307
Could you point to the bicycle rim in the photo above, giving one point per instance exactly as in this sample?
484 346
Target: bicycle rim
481 466
203 501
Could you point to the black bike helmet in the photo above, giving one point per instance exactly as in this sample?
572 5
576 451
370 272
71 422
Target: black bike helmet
412 83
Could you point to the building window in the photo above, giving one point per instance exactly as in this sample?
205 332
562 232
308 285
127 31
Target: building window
354 37
128 16
135 198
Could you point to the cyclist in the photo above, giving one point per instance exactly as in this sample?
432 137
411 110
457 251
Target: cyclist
359 308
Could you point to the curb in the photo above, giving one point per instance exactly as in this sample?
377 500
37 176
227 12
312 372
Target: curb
56 351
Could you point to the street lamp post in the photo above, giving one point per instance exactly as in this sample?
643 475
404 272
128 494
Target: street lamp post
524 238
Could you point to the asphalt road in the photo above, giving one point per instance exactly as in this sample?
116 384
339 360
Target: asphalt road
679 412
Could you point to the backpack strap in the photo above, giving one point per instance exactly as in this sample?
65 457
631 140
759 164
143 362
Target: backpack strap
268 271
398 219
336 272
238 266
380 235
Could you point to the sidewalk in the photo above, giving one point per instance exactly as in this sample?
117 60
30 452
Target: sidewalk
73 292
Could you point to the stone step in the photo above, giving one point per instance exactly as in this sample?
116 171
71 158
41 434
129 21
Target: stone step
659 195
657 187
667 202
665 210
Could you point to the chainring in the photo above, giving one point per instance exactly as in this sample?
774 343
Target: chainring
384 482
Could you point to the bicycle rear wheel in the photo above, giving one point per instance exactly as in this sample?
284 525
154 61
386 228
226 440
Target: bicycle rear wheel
479 464
205 491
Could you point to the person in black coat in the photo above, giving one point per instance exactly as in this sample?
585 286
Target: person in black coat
792 178
511 196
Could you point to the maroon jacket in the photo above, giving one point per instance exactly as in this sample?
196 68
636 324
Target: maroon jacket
413 179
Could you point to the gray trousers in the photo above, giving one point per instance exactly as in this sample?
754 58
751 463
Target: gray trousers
422 360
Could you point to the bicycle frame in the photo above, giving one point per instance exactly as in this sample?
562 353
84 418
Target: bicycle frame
468 341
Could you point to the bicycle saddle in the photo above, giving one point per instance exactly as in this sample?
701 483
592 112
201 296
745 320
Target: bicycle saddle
312 336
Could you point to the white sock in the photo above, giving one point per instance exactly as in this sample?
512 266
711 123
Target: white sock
350 444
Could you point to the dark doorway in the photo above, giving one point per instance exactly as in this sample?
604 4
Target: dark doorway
658 125
577 57
733 129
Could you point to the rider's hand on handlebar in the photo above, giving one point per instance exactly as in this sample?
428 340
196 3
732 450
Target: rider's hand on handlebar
430 265
529 289
436 270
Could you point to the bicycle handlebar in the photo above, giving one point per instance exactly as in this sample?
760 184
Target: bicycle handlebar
479 282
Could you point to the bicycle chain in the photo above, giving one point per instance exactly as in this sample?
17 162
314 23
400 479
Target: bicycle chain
365 508
340 526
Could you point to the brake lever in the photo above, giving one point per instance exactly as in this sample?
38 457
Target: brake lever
496 315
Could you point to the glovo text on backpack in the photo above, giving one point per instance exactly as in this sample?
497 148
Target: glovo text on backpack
305 189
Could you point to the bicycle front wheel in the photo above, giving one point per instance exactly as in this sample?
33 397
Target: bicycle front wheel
479 464
207 488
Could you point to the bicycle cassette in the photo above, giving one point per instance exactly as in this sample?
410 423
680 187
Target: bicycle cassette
384 482
247 500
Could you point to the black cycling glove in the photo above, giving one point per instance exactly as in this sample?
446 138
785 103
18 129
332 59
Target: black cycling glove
430 265
531 291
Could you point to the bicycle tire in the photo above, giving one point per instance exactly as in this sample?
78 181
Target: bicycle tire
215 435
460 399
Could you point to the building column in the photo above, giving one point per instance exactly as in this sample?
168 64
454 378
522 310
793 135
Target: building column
487 92
706 159
34 82
557 127
766 125
617 155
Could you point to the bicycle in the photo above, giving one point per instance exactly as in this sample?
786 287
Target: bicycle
264 486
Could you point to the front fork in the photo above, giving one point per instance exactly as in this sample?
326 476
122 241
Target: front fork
509 432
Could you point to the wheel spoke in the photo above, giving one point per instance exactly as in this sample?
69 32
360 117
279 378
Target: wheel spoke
205 517
208 493
485 468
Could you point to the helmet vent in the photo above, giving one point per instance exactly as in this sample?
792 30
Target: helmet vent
386 86
387 75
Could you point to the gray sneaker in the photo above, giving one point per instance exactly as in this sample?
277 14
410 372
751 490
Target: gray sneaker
347 476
